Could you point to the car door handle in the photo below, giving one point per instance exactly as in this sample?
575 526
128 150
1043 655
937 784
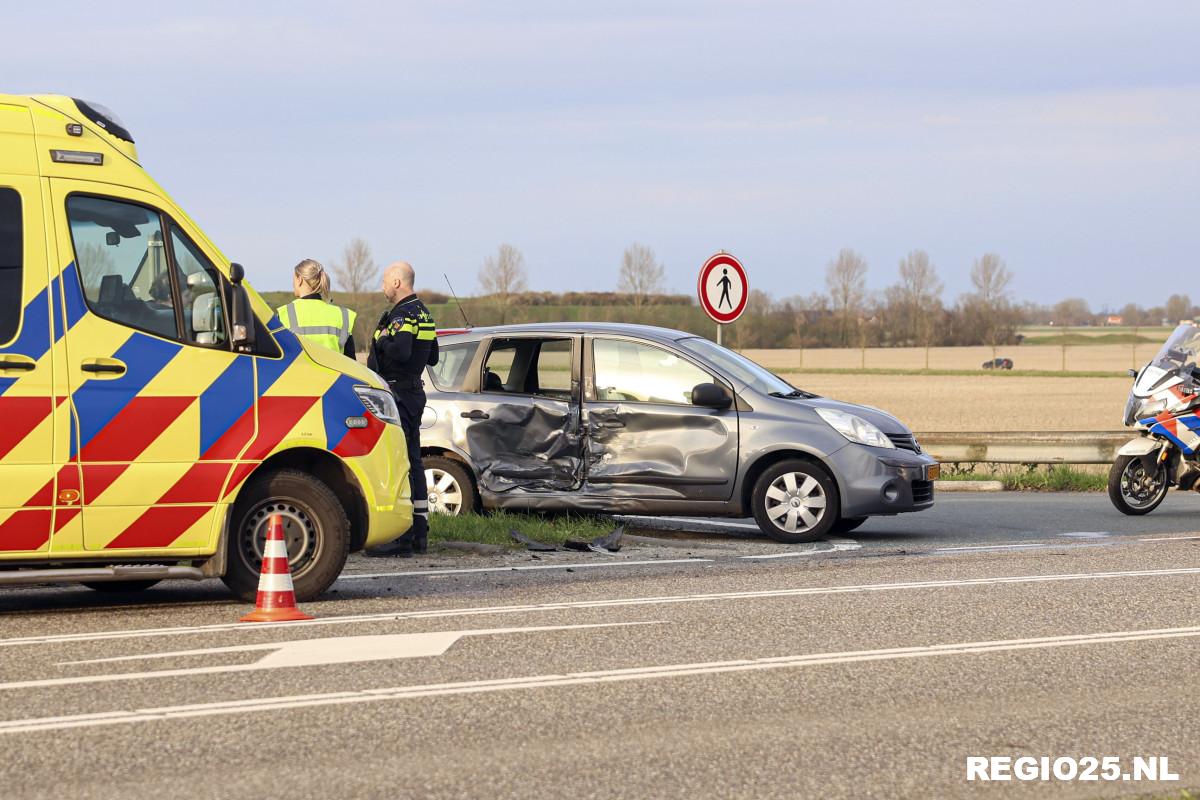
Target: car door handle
23 363
475 414
107 367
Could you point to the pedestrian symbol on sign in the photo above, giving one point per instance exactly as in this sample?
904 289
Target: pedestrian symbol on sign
724 283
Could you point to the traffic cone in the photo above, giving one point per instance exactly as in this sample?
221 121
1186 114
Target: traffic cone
276 596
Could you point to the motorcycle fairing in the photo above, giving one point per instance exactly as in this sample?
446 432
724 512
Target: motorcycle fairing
1183 431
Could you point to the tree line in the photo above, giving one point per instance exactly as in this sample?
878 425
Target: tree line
910 313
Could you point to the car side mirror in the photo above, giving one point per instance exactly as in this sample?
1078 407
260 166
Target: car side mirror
241 315
710 395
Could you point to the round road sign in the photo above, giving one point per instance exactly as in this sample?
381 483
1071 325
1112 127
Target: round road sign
723 288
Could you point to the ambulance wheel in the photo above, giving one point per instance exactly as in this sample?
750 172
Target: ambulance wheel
315 528
451 490
117 587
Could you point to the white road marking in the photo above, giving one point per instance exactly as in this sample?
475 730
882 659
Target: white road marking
1024 546
1086 535
356 619
253 705
300 653
527 568
1168 538
837 545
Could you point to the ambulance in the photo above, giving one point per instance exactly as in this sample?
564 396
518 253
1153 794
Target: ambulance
154 412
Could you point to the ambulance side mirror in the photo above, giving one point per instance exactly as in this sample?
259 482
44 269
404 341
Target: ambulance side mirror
241 316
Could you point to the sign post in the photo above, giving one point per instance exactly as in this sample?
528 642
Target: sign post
723 289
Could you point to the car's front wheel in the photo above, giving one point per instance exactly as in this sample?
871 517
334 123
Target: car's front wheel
795 501
315 529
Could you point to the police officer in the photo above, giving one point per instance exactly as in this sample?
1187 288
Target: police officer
312 315
405 343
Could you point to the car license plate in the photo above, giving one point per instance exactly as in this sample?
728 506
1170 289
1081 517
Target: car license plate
933 472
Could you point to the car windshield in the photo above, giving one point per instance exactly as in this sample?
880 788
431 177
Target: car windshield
740 368
1180 349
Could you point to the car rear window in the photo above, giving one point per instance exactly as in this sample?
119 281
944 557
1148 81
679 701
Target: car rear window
11 261
453 361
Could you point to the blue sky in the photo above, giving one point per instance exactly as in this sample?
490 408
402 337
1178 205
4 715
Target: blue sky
1064 136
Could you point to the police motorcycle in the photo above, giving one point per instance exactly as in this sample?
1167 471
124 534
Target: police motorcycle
1164 406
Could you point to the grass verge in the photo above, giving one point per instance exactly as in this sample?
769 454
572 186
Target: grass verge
493 528
1054 478
943 373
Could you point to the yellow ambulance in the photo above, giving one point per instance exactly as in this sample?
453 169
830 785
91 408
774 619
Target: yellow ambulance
154 412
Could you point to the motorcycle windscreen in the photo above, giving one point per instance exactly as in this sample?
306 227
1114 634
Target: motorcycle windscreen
531 443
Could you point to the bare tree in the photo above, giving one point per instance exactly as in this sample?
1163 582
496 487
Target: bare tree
1072 311
355 272
503 275
989 304
641 274
990 276
846 277
1179 307
917 299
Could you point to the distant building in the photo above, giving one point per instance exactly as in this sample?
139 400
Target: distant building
1115 319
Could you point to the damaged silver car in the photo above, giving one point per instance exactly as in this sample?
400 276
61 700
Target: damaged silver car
632 419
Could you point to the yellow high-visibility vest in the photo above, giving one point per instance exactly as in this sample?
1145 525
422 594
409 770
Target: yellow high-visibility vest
324 323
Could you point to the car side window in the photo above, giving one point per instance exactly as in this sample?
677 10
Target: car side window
528 366
12 256
199 281
453 362
123 263
634 372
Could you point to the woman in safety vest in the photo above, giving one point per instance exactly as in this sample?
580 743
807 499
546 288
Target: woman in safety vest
313 315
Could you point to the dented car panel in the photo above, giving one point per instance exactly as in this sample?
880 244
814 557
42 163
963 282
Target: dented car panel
623 436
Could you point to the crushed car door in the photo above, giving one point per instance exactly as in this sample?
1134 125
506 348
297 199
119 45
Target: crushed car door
520 426
644 436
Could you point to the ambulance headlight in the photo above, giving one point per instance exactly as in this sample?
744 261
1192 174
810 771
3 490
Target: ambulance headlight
380 403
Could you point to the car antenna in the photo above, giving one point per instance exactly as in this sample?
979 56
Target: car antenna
461 310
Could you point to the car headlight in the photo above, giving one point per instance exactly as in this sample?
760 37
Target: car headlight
855 428
380 403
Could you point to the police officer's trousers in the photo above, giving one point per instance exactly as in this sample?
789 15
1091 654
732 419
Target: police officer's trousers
411 403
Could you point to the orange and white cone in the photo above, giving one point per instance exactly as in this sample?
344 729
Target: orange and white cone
276 596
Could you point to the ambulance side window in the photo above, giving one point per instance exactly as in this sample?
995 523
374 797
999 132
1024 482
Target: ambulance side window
203 311
11 258
123 263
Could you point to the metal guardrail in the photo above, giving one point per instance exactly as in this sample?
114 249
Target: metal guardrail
1026 447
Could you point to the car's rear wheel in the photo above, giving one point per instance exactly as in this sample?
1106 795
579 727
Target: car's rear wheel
795 501
315 529
451 490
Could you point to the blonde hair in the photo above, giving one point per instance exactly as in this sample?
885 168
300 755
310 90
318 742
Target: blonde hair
313 277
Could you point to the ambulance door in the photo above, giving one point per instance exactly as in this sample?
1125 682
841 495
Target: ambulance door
163 405
27 396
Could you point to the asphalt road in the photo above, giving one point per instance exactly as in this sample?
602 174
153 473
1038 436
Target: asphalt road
990 518
716 671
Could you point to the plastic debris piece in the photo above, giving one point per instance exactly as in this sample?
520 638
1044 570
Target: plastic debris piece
530 544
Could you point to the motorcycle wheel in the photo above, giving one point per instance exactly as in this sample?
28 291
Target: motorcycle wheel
1132 489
